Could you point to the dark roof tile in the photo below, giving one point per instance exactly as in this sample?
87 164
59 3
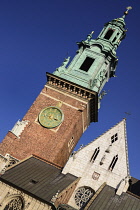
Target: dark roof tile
38 178
108 200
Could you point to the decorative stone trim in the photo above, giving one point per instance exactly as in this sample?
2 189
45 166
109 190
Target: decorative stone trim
19 127
6 161
71 144
83 195
126 147
95 195
13 201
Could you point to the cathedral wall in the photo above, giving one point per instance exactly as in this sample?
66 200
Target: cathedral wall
2 163
8 193
94 172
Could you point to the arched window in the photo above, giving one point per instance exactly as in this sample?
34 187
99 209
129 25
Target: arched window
16 203
109 34
94 156
116 37
113 163
83 195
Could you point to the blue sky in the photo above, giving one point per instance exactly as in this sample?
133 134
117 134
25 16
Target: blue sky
36 36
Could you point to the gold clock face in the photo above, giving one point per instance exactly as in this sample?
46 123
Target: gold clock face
51 117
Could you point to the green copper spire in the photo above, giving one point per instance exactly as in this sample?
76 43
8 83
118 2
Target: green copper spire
96 60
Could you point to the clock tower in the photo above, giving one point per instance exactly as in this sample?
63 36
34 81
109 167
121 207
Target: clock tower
69 101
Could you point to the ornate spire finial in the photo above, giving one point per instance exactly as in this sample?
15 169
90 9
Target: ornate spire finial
89 36
126 12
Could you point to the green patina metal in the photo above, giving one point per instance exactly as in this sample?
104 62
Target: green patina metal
95 61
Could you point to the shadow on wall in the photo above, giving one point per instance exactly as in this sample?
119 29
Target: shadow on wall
134 186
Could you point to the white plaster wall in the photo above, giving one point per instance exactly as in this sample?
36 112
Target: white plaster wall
80 165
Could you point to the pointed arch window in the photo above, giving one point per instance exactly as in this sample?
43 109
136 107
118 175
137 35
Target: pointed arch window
113 163
95 154
15 203
109 34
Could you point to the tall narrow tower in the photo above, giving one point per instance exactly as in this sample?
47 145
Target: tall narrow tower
69 101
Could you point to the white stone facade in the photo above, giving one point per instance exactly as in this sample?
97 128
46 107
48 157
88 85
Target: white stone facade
95 172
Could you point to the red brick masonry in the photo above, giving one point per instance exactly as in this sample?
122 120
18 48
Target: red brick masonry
50 144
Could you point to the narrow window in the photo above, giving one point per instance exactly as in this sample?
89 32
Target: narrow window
71 144
108 34
94 156
87 64
114 138
113 163
114 39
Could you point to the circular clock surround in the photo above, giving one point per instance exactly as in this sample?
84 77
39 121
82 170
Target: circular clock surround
51 117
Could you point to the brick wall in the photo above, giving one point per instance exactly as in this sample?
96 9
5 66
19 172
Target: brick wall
51 144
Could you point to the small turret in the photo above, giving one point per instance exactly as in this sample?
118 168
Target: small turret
112 34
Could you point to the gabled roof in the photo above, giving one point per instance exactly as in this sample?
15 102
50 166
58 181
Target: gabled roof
125 136
37 178
123 120
108 200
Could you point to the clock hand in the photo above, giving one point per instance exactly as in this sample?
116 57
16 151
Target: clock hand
56 119
50 116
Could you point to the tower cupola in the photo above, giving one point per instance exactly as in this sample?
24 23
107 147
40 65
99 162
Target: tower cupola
95 61
112 34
